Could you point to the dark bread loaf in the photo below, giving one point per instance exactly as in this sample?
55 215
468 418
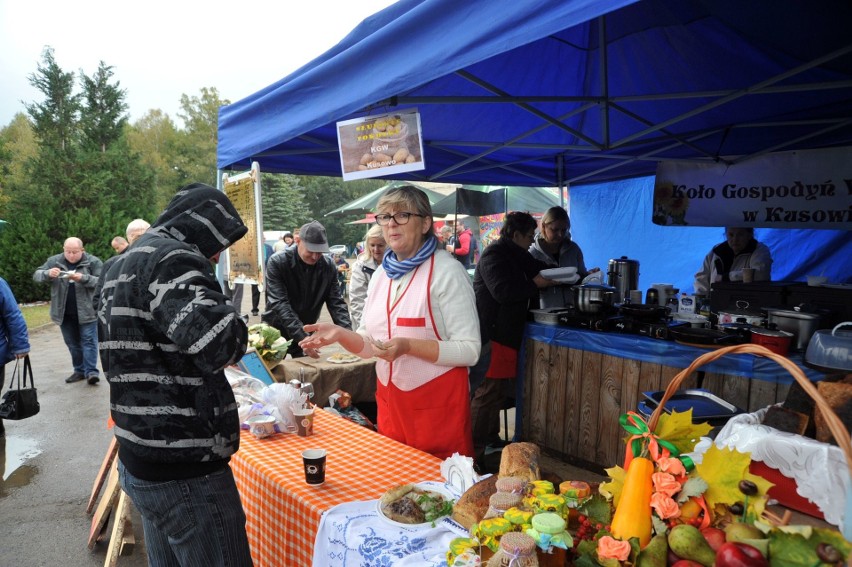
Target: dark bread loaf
839 398
473 504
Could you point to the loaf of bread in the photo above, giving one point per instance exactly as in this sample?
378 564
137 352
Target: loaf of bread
839 398
473 504
521 460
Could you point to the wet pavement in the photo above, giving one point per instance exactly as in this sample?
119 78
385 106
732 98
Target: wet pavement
49 462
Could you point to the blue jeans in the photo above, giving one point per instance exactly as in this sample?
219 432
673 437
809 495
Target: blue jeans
82 342
195 522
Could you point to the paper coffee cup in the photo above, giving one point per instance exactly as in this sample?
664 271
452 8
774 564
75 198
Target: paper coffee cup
314 461
304 421
748 275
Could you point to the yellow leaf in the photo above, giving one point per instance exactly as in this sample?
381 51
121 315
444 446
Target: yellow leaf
723 469
678 429
613 489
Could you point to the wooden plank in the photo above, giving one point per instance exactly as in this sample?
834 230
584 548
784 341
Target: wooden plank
781 392
714 381
649 377
556 408
609 410
535 404
630 396
735 390
761 393
103 472
105 505
588 427
128 541
573 397
122 513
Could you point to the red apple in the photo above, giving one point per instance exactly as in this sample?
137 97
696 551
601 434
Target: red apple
687 563
714 536
671 558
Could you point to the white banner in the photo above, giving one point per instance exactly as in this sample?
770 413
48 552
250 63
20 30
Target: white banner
376 146
799 189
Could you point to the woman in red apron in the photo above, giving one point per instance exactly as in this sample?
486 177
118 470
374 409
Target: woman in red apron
420 321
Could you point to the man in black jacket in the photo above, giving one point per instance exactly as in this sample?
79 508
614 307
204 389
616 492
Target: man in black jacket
169 332
299 281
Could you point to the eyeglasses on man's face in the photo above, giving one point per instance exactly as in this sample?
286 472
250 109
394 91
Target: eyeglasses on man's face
398 218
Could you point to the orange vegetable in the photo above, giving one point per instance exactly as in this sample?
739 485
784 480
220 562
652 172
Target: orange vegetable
633 514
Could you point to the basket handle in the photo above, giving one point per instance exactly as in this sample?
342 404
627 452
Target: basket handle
835 425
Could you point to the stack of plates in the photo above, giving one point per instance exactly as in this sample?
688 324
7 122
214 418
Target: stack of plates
561 275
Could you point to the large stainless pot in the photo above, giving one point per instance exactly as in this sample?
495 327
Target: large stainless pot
802 325
593 298
623 275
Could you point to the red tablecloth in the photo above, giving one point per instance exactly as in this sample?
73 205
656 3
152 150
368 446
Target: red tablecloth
283 512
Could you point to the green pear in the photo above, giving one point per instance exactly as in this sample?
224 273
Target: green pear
686 542
655 553
740 531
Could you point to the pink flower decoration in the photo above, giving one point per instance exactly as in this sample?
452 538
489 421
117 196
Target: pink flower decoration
671 465
665 483
611 548
664 506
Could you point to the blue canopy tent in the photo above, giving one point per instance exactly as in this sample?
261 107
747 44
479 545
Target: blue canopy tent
579 92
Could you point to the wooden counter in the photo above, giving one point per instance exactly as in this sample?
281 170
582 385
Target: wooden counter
576 383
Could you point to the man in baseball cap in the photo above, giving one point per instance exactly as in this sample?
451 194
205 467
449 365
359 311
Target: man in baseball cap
314 238
299 281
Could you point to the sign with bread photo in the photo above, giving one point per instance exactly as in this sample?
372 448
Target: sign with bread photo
380 145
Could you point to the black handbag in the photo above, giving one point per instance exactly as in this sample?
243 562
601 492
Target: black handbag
20 402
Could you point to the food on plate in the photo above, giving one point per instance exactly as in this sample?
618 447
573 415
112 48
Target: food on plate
520 460
473 504
411 504
342 357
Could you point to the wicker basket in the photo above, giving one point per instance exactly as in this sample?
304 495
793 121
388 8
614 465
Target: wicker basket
835 425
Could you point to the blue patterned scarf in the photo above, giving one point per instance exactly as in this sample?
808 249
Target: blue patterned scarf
395 269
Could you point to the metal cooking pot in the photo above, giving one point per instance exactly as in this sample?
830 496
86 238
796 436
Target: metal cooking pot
623 275
776 341
593 298
803 325
741 312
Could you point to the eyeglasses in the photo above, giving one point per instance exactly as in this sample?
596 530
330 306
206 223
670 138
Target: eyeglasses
398 218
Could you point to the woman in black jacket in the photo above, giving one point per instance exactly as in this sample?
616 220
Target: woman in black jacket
506 281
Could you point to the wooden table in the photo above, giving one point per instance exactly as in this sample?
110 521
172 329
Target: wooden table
283 513
358 378
575 383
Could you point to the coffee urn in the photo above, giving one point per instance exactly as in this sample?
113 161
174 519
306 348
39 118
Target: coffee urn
623 275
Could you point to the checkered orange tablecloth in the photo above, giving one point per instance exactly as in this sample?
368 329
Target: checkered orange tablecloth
283 513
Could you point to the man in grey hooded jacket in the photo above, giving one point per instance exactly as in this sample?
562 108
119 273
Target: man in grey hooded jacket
169 331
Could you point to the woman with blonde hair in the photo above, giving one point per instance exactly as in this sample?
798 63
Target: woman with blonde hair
420 322
362 270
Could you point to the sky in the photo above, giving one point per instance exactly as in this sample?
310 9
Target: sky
160 49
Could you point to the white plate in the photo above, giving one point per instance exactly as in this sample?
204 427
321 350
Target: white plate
429 487
559 273
343 358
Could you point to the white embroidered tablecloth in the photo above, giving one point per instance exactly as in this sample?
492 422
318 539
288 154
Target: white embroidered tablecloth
354 534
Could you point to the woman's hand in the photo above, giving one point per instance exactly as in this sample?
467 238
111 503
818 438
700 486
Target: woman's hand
321 334
541 282
393 349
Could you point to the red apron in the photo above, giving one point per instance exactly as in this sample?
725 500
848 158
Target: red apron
434 417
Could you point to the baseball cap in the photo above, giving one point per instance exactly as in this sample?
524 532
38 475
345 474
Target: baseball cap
313 235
